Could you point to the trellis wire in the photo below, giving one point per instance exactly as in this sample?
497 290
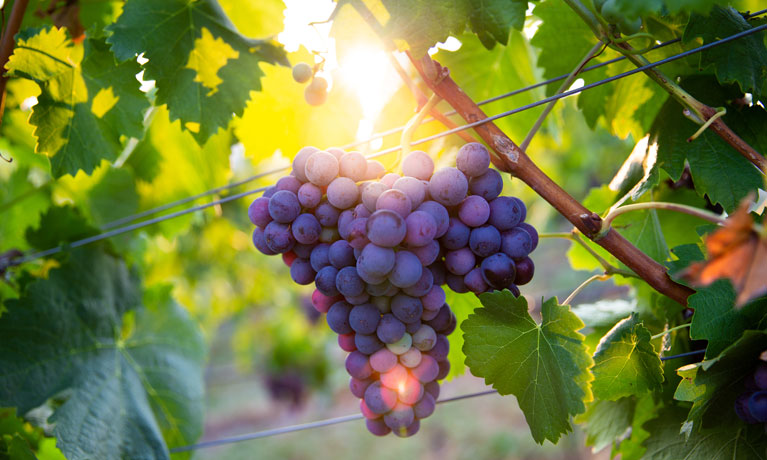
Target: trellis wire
343 419
128 228
125 220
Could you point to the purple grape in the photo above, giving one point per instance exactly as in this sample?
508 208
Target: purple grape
410 430
433 389
439 272
358 365
378 290
389 179
473 159
306 229
284 206
349 283
516 243
760 376
407 309
498 270
488 185
412 328
358 386
427 370
434 299
289 183
336 152
410 391
299 162
444 369
364 318
354 166
376 260
309 195
370 194
361 212
301 271
303 251
425 407
400 417
424 338
383 360
326 214
442 321
258 212
441 348
455 283
475 282
422 286
421 229
457 235
341 254
390 329
505 212
368 343
374 170
338 320
394 378
427 254
325 281
321 168
532 232
380 399
757 406
358 233
474 211
448 186
270 191
343 193
319 258
525 271
259 241
386 228
410 358
344 220
395 200
377 427
439 213
418 164
358 299
278 237
485 240
413 188
407 269
460 262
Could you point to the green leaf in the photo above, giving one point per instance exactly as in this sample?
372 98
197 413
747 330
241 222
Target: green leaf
492 20
88 104
743 62
132 377
113 197
713 385
607 421
642 228
462 306
686 254
625 362
632 9
422 23
59 224
545 366
203 67
18 449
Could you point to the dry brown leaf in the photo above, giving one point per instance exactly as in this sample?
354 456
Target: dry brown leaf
736 251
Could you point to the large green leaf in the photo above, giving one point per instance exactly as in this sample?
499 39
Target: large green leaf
606 421
492 20
203 67
545 366
633 8
625 362
132 378
59 224
462 306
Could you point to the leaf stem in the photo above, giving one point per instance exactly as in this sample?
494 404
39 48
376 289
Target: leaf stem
722 111
413 124
697 212
565 85
575 236
583 285
669 331
6 46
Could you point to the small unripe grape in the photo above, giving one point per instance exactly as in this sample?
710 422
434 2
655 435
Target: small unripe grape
316 93
302 72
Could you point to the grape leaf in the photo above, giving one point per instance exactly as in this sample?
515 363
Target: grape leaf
87 102
133 376
203 67
605 421
492 20
743 62
713 385
462 305
59 224
113 197
633 9
545 366
625 362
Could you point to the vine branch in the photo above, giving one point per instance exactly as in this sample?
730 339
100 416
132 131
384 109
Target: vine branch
583 286
6 46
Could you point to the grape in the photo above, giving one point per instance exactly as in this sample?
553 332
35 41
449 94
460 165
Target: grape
444 369
402 345
278 237
459 262
354 166
421 229
427 254
370 194
319 257
303 251
396 200
322 302
325 281
344 220
377 427
473 159
532 232
288 258
427 369
358 387
498 270
488 185
425 407
409 431
399 418
380 399
407 309
516 243
475 282
367 343
338 318
425 338
383 360
386 228
418 164
258 212
410 358
364 318
741 408
328 235
368 277
434 299
757 406
358 299
433 389
327 214
439 213
525 271
412 328
341 254
321 168
390 329
410 391
439 272
457 235
474 211
422 286
299 162
441 348
374 170
366 412
760 376
316 92
442 321
358 365
270 191
302 72
407 269
376 260
259 241
413 188
306 229
301 271
395 377
284 206
455 283
486 240
342 192
361 212
349 283
289 183
346 342
378 290
389 179
505 212
448 186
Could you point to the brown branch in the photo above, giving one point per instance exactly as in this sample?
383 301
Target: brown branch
510 158
6 46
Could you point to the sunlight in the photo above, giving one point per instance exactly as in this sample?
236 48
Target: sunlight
368 72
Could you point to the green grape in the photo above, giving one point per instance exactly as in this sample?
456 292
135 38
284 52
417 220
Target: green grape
611 12
629 27
598 5
302 72
316 92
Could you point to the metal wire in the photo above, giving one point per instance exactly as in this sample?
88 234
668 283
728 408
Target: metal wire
145 223
302 426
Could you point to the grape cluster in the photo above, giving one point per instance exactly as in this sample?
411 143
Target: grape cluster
751 405
378 248
316 92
